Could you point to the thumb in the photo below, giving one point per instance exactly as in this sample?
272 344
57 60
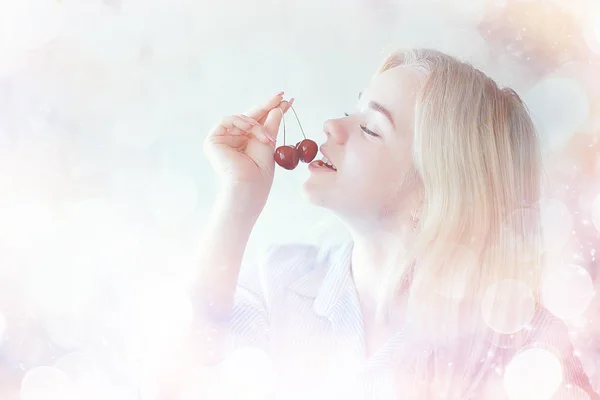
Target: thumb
276 115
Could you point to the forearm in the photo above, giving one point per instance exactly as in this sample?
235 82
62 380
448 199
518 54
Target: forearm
221 251
225 238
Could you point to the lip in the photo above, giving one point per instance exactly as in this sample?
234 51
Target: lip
324 152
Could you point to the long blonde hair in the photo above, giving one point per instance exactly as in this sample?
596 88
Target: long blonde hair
475 264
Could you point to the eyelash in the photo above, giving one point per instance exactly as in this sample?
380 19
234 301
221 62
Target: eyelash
364 128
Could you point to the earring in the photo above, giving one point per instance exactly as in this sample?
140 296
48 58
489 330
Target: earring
415 222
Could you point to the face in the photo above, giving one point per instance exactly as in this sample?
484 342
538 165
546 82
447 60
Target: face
370 149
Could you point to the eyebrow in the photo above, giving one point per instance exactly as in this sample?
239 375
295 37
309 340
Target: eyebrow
381 109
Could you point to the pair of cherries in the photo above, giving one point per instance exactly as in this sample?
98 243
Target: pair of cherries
288 156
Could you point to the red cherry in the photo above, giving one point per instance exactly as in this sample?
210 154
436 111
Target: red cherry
307 150
287 157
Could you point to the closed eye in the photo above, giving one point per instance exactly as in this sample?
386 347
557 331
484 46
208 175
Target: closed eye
368 131
364 128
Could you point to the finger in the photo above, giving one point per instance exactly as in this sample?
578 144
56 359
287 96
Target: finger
284 107
236 142
227 125
237 131
237 126
258 130
261 111
273 119
248 119
261 134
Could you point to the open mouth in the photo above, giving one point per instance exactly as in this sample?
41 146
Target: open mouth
324 162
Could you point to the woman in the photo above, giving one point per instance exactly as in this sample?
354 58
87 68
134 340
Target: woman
437 178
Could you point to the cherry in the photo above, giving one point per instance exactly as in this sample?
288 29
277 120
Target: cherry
288 156
307 150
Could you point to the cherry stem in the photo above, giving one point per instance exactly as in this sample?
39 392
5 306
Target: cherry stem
297 119
283 119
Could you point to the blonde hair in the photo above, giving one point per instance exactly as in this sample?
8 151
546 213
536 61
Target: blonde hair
477 248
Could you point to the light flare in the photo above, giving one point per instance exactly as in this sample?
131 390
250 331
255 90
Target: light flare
533 374
508 306
567 291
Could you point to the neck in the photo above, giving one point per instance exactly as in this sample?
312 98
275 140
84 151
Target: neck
377 249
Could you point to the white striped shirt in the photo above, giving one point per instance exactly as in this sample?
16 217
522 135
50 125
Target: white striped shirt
300 305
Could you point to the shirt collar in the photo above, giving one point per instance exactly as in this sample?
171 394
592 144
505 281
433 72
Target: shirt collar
328 280
329 284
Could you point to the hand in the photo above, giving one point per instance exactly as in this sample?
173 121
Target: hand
240 148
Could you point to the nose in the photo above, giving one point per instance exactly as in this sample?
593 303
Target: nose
335 129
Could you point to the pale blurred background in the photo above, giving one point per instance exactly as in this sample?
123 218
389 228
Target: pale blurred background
104 189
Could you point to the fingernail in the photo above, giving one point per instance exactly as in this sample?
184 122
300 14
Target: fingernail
279 94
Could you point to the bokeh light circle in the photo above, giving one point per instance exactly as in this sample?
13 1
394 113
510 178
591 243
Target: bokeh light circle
567 291
88 374
507 306
533 374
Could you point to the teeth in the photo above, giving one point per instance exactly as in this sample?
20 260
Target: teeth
326 161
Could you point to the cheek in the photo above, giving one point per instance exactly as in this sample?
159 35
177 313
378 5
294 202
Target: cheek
361 159
376 167
376 171
360 172
374 182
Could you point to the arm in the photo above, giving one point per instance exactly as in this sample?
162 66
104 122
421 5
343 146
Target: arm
226 311
229 307
240 149
217 290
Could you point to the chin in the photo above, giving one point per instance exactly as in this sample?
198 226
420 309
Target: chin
323 196
320 194
345 206
314 194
